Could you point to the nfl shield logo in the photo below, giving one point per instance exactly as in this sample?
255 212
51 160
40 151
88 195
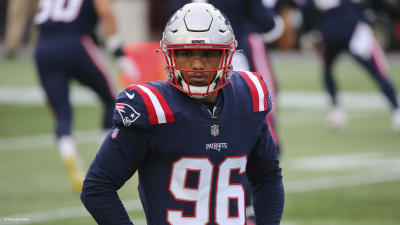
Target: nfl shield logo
215 130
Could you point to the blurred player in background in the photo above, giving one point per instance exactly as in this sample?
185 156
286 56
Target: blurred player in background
192 138
19 13
255 23
66 51
339 26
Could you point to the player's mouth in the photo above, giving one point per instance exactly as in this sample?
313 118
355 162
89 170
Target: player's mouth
198 79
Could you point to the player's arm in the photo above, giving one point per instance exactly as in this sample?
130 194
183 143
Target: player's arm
264 174
268 23
109 25
117 160
114 43
106 17
120 155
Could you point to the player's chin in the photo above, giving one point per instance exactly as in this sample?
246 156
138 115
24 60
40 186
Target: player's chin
202 84
198 82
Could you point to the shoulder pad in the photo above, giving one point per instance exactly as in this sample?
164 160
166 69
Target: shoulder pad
141 105
258 89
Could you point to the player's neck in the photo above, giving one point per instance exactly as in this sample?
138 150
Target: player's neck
211 98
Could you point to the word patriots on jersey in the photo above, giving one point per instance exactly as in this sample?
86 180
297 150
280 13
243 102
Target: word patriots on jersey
216 146
127 113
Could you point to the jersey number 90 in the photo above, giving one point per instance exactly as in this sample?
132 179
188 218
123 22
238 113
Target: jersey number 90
225 192
58 10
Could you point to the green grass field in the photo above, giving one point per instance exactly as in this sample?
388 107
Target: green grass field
346 177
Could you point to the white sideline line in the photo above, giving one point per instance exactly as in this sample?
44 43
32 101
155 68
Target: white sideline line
291 99
331 182
94 136
348 161
35 96
314 184
63 213
45 140
302 116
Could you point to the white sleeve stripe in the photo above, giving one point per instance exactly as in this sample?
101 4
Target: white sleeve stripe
157 106
260 90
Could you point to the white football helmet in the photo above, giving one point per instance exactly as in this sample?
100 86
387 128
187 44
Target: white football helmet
198 26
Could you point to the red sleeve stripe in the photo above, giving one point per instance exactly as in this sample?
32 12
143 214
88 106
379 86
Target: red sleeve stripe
151 112
258 90
253 90
156 106
168 114
264 87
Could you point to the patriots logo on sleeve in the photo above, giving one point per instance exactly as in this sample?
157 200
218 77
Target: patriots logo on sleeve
127 113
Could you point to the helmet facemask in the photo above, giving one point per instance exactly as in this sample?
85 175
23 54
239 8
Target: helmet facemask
217 77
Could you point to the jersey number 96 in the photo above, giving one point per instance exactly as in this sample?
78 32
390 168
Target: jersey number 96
226 192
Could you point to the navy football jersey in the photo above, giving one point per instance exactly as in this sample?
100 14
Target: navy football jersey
66 17
192 162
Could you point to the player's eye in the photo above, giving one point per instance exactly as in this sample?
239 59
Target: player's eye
212 53
184 53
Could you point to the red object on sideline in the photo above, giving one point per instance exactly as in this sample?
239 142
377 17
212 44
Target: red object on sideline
149 65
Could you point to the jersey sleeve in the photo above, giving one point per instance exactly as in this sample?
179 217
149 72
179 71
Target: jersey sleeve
258 89
130 110
264 174
141 106
120 155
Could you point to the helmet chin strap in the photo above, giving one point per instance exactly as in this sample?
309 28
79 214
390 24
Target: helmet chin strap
197 91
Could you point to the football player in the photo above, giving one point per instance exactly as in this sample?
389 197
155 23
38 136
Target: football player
339 26
194 139
65 51
255 23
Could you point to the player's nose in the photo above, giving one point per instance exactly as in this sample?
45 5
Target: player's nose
197 63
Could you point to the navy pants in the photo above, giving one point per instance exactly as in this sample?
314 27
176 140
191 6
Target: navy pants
62 59
359 42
